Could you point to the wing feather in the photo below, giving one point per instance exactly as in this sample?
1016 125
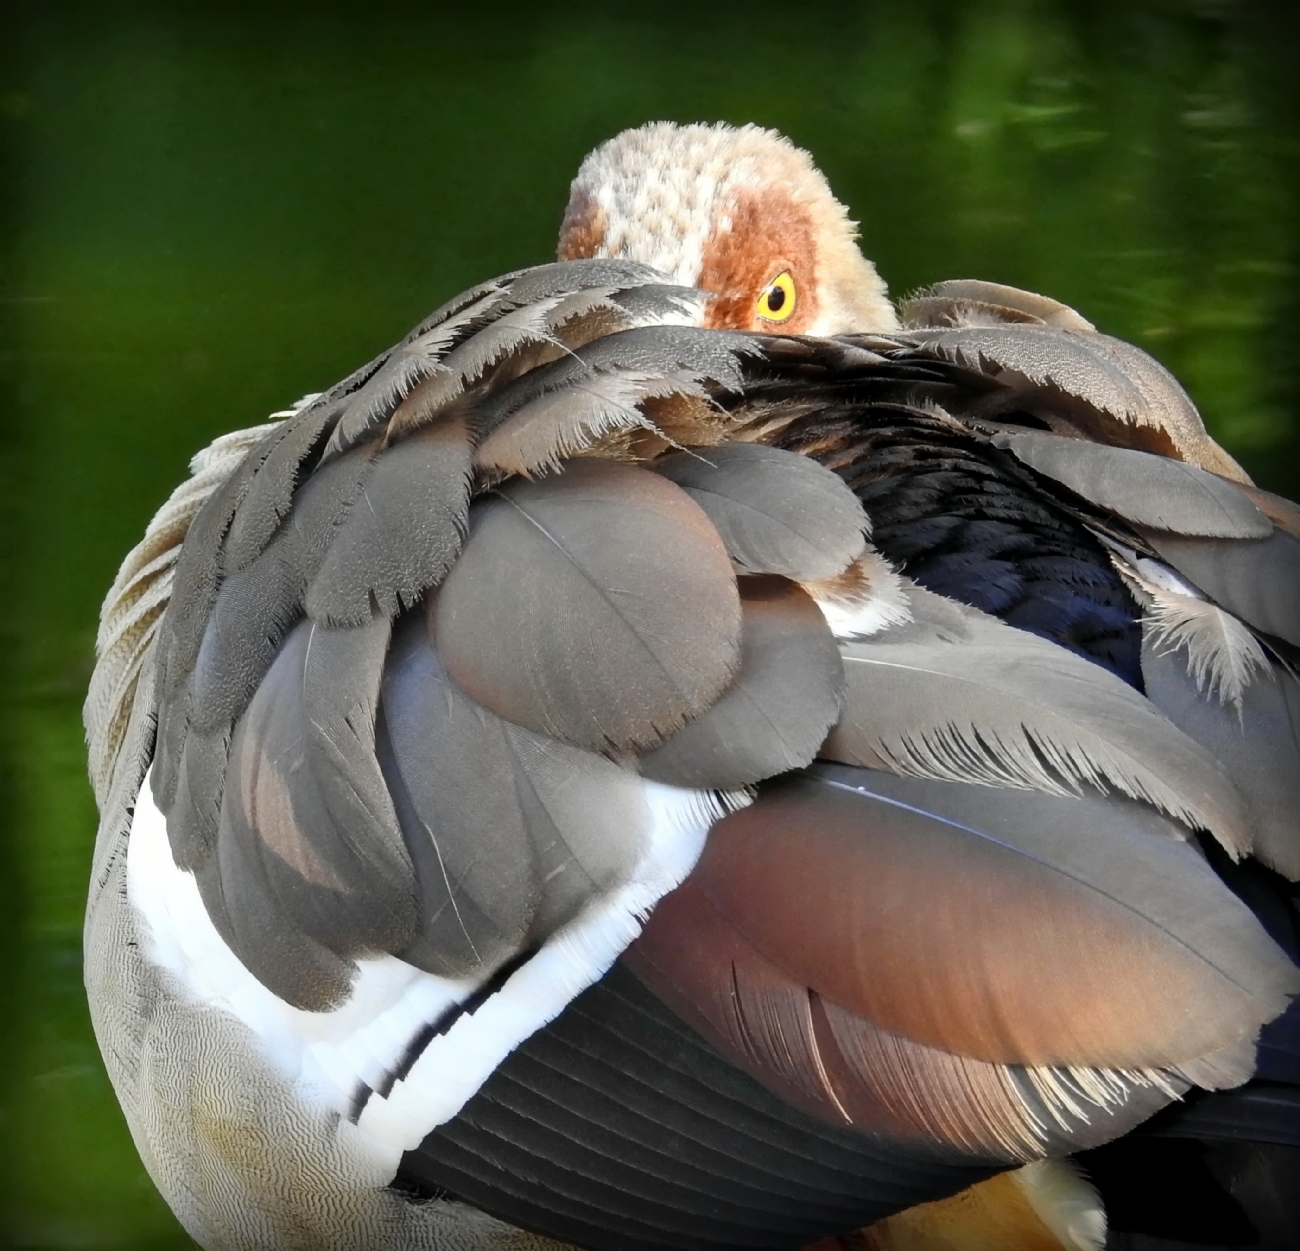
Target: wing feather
310 867
958 695
597 606
1252 729
779 706
1257 580
778 512
1150 490
512 834
1010 927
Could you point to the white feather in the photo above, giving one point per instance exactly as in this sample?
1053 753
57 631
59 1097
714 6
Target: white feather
454 1065
1065 1201
1223 656
872 599
329 1055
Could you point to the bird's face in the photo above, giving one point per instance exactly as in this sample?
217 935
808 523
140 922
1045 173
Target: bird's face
740 213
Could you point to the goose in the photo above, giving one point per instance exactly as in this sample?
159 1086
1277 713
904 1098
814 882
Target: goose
679 753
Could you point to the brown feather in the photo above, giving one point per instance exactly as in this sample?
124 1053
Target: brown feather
597 606
1049 931
950 303
778 708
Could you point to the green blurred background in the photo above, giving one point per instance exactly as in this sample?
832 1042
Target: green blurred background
209 209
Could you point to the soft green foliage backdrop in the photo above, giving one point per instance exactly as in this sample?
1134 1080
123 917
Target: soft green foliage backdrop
208 209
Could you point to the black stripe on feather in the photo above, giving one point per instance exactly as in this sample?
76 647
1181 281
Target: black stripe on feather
618 1128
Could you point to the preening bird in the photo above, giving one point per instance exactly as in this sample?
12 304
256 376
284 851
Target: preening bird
677 753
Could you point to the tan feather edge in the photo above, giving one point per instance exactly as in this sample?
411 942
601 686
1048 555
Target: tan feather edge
135 603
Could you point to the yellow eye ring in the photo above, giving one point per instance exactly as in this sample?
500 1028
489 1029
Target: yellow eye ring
778 299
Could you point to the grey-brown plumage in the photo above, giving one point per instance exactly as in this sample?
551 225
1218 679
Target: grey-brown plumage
1126 909
1259 581
957 695
656 380
310 867
460 655
777 513
510 832
248 616
260 600
295 528
419 490
465 326
1046 358
967 301
597 606
778 708
1141 487
1254 738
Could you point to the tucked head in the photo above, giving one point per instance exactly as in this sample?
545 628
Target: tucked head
740 212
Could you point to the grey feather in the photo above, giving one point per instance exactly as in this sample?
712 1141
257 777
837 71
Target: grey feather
309 851
778 512
126 643
245 905
1258 580
653 352
957 695
1110 390
199 569
253 611
571 419
597 606
1284 513
256 606
946 304
513 325
1148 489
397 372
511 834
270 493
1256 739
194 811
778 708
402 531
181 632
1223 655
563 277
655 304
1094 368
511 333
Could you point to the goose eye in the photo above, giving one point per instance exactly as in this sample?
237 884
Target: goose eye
777 301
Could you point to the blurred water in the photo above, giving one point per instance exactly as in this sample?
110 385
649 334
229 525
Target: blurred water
210 209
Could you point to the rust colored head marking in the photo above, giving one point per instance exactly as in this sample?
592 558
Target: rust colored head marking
762 234
583 231
730 210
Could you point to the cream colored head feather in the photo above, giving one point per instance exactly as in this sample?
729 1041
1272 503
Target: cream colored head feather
730 210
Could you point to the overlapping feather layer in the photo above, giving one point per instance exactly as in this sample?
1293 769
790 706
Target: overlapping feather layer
441 642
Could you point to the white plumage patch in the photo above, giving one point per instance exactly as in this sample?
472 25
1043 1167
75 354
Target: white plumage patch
358 1047
1065 1201
1223 656
874 599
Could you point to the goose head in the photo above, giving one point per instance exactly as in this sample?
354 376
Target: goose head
739 212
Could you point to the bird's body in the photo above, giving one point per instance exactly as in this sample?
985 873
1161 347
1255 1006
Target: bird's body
917 685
